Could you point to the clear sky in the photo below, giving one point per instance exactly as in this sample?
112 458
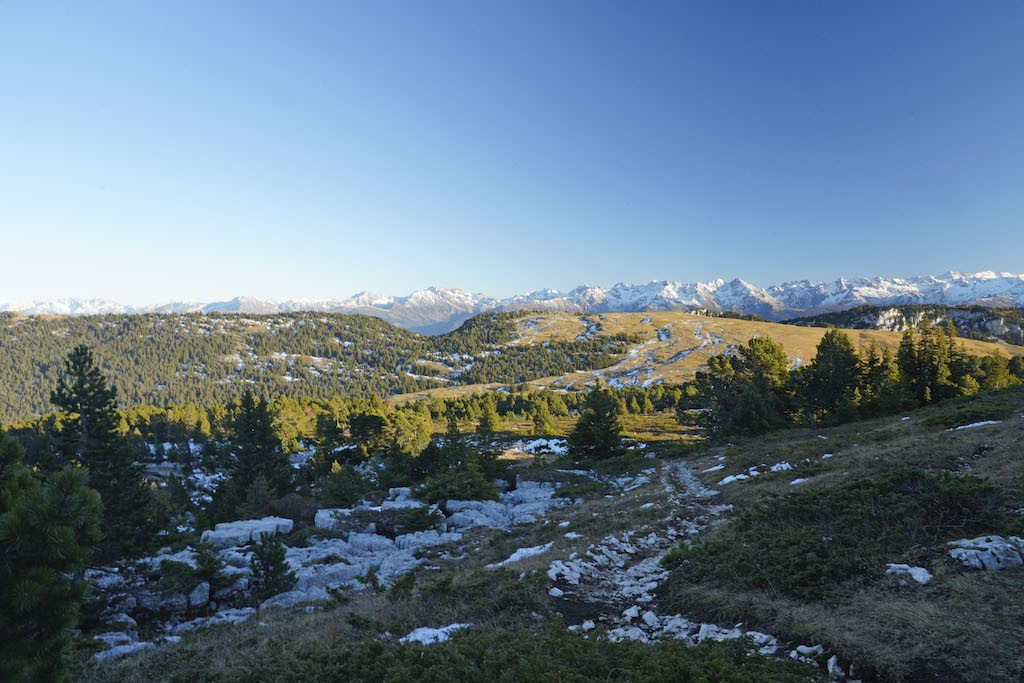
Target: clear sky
168 150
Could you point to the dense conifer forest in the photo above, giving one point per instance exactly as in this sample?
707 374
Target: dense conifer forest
208 360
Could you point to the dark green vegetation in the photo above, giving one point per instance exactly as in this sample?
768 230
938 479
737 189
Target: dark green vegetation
47 528
598 433
808 561
484 655
973 322
87 435
755 391
207 360
807 543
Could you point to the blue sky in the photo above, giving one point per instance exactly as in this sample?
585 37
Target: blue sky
152 151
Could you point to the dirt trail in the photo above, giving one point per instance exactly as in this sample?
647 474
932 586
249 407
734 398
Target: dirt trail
612 584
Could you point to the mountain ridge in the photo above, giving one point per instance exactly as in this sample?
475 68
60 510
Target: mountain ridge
437 309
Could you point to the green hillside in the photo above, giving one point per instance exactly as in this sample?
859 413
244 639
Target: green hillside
209 359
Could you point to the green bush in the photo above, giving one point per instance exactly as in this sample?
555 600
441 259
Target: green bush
461 484
482 654
176 577
343 487
804 544
968 413
270 572
391 523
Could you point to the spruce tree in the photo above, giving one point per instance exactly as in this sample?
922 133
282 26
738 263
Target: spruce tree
490 421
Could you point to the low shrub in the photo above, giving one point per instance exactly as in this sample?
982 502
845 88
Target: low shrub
806 543
391 523
460 484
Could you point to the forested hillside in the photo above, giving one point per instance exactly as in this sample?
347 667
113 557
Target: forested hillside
175 359
973 322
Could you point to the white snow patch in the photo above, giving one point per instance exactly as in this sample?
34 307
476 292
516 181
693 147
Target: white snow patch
428 636
523 553
974 424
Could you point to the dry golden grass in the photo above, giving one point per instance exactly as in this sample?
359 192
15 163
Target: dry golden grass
673 346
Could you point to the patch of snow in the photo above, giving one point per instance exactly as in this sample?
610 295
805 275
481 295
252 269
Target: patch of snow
522 554
428 636
974 424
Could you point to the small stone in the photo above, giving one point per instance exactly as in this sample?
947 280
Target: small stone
834 671
200 595
632 613
556 592
589 625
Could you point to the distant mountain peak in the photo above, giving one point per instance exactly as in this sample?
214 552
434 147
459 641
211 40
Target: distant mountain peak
438 309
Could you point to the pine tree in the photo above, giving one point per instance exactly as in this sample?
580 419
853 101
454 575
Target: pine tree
490 421
835 375
90 435
47 528
82 392
271 573
543 425
598 432
257 449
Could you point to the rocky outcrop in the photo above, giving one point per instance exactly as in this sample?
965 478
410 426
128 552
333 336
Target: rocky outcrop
243 532
988 552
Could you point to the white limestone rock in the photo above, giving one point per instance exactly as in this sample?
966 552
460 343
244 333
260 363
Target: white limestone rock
988 552
919 574
227 616
200 595
428 636
243 532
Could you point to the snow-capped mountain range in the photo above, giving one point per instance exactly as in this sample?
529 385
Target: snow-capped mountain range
437 309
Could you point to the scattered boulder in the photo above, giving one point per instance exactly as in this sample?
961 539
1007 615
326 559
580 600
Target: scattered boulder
243 532
428 636
919 574
227 616
988 552
200 595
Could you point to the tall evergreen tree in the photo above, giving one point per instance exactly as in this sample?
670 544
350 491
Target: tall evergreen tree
489 421
598 432
835 376
47 529
543 425
82 391
90 435
257 449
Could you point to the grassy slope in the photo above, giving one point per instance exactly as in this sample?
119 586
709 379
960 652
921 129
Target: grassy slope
691 341
964 625
517 634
